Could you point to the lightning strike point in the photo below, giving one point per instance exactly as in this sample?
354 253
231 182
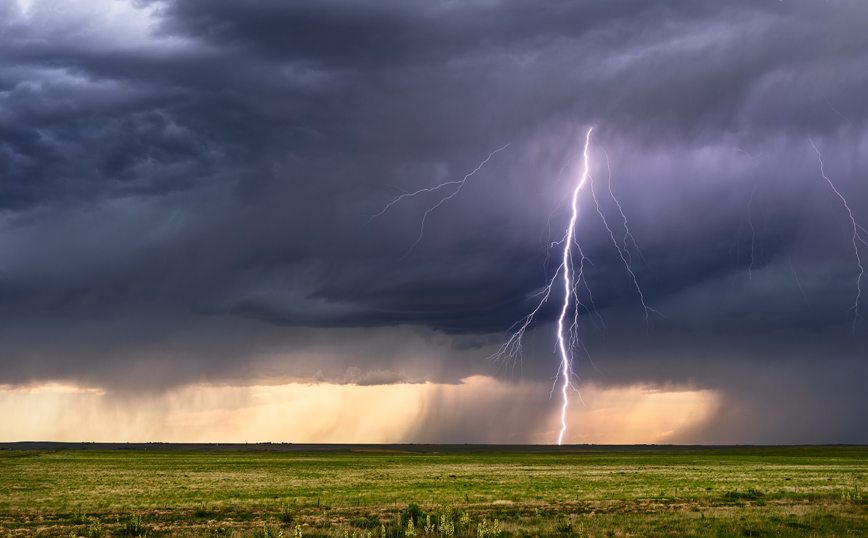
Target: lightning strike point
572 270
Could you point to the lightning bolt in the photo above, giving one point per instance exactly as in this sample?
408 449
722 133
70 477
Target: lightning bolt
458 184
511 350
835 110
622 252
572 271
857 238
569 293
627 233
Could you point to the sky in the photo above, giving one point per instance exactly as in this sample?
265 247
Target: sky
198 240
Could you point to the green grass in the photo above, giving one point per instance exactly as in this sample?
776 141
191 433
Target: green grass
802 491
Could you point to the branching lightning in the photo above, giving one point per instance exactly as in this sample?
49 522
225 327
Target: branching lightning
857 238
627 233
622 252
458 184
572 271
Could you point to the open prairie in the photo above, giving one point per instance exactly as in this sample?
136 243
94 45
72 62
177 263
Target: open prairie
425 490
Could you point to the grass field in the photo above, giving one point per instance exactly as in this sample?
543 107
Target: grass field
804 491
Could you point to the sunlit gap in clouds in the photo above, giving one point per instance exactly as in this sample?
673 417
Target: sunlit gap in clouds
332 413
119 25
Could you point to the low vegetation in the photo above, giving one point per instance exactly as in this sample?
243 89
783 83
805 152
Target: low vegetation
809 491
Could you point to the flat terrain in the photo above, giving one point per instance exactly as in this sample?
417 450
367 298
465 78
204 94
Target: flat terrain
482 491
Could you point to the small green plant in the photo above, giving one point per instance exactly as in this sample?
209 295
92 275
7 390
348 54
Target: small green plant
482 530
851 497
296 533
414 513
94 530
135 528
411 529
202 511
79 517
286 515
446 526
486 530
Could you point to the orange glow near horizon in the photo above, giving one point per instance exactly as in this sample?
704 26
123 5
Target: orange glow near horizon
329 413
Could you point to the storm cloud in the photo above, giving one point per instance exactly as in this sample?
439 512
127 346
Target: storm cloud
190 192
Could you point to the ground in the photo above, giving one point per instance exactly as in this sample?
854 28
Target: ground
104 491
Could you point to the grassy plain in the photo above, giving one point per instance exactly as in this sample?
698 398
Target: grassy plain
492 493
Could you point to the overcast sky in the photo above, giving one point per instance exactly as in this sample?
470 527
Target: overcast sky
187 190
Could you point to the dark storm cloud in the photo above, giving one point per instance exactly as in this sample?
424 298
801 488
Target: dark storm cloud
186 188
